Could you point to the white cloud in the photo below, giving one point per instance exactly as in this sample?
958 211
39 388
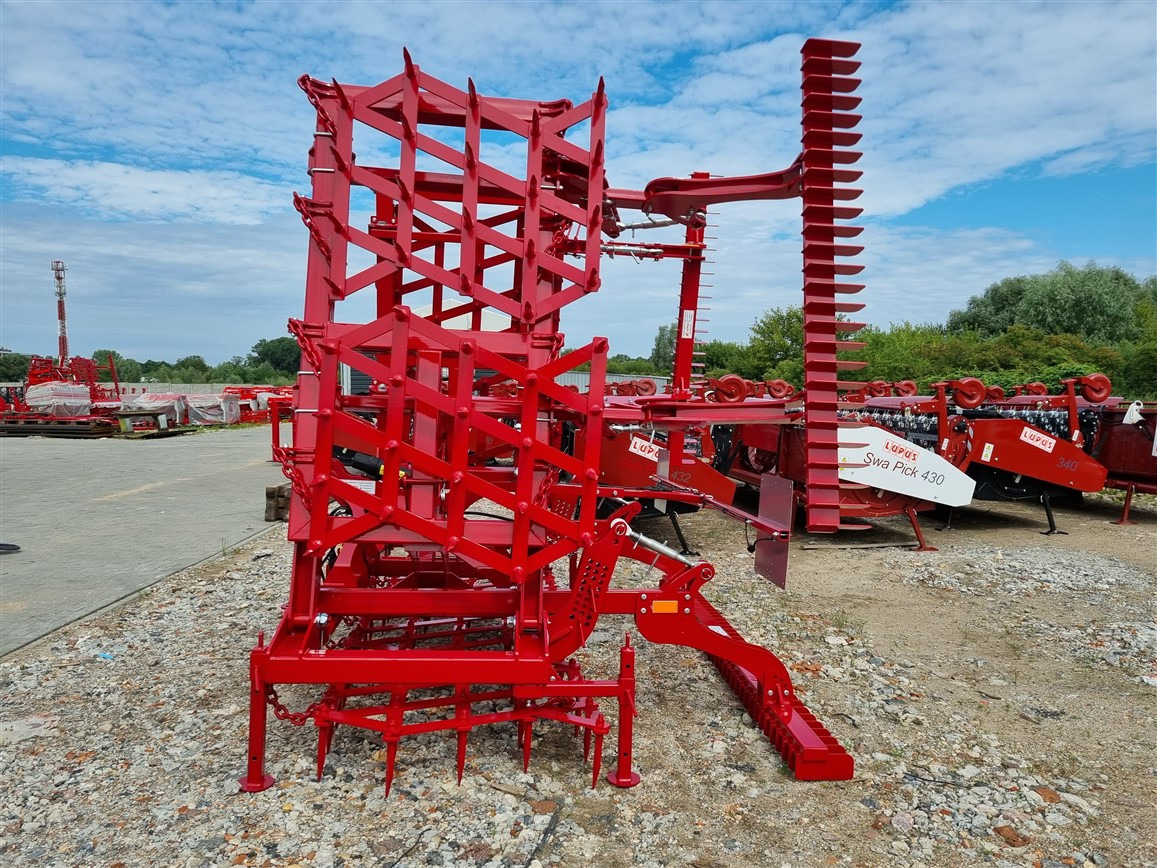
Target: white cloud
116 191
137 113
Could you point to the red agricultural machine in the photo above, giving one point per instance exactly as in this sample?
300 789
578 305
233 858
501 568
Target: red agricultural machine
433 590
1127 448
258 403
62 398
1029 446
1121 437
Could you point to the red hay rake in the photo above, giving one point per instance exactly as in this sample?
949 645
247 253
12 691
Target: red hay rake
412 607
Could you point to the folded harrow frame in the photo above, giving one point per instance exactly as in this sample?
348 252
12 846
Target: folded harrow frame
412 606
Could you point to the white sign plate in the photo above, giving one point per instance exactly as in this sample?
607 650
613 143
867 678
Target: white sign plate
894 464
687 330
1038 439
645 448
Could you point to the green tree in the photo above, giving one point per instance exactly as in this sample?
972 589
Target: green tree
621 363
282 354
188 374
663 350
1138 379
729 357
994 311
264 374
129 371
229 372
1096 303
777 343
13 367
160 372
148 367
197 363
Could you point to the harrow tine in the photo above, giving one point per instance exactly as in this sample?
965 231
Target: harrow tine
391 756
526 729
586 746
463 734
324 739
598 765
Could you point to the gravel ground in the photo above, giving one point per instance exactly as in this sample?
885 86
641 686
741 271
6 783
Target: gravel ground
999 696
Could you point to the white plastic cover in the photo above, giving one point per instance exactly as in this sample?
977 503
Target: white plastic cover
170 403
213 409
59 399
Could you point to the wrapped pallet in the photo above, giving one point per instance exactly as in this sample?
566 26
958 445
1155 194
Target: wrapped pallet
58 398
213 409
170 403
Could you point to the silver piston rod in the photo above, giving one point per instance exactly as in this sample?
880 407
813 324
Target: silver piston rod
658 547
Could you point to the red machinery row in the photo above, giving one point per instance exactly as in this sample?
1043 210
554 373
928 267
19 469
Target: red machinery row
65 397
899 453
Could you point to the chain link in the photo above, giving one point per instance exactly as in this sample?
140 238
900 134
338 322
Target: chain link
548 481
559 240
308 209
297 718
313 94
291 472
312 356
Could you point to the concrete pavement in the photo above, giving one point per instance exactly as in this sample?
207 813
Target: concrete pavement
97 520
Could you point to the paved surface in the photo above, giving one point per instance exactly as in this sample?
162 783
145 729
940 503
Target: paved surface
97 520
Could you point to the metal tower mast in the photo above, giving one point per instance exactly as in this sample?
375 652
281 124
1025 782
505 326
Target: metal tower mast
58 270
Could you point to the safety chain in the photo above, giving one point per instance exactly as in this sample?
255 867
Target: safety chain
313 88
312 356
559 241
308 209
297 718
291 472
548 481
281 455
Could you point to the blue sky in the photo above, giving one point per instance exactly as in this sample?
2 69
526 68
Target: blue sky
155 147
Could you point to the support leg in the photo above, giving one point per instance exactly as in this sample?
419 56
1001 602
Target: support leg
923 547
686 551
1124 519
948 524
256 780
1052 522
623 775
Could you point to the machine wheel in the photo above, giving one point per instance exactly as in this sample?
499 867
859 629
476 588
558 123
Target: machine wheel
969 392
1095 388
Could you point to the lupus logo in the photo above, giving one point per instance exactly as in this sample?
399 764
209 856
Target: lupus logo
1037 439
902 449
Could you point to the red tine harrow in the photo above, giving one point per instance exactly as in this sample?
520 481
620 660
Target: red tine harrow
413 607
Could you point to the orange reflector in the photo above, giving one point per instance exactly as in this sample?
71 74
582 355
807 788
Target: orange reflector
665 607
